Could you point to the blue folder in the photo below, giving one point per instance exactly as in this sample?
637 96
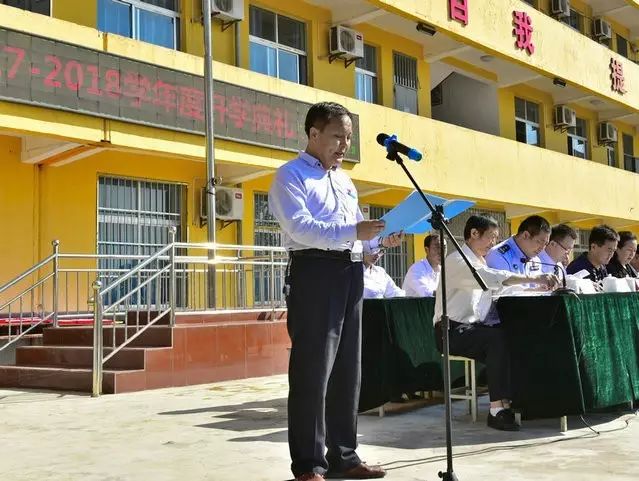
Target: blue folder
412 214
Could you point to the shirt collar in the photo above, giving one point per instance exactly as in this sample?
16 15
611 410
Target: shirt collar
513 244
471 255
312 161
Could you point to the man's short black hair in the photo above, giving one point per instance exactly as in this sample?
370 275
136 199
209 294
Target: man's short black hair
561 231
428 240
625 236
480 222
534 225
601 234
320 114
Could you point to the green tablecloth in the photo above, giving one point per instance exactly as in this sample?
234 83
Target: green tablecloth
399 354
569 355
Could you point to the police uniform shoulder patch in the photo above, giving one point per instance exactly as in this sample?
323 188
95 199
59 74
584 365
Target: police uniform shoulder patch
503 249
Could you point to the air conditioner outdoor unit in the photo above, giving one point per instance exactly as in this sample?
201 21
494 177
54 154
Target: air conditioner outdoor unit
602 29
346 42
565 116
229 204
607 133
228 10
560 8
366 211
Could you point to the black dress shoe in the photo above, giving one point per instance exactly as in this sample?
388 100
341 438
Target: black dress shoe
504 420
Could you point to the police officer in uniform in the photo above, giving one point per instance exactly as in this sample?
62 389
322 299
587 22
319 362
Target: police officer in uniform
316 204
519 253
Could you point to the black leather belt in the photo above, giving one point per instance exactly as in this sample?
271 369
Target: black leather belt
337 255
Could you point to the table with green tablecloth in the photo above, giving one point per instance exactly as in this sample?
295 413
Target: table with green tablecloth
570 354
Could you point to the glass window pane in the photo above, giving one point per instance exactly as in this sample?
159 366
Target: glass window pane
360 86
520 131
628 147
369 61
580 128
263 59
262 23
114 17
289 66
532 135
622 46
156 28
168 4
291 33
520 108
532 112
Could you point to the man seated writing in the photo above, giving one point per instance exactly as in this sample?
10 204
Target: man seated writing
474 330
602 245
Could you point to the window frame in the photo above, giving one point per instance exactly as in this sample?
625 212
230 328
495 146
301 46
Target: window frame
137 5
529 122
368 73
611 148
572 136
279 46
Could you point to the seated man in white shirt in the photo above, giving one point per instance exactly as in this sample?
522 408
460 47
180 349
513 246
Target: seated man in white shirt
475 331
423 276
377 283
556 255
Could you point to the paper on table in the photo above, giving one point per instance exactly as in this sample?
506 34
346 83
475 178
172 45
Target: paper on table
412 214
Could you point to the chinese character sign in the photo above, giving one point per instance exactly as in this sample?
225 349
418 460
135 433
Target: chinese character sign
523 32
57 75
616 75
458 10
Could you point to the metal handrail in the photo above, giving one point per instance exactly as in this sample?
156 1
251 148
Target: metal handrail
27 273
27 290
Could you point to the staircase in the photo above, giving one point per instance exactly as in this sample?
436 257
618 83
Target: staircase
200 348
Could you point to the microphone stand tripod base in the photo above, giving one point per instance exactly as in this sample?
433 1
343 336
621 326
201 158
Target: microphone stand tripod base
446 476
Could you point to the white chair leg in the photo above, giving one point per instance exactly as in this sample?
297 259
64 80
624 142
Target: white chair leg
473 389
563 424
380 411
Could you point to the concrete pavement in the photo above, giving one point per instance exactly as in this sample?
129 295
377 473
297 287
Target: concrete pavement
237 431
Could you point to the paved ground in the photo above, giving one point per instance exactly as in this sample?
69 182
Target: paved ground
237 431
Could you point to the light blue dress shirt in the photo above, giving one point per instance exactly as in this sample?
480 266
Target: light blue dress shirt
546 259
316 208
507 256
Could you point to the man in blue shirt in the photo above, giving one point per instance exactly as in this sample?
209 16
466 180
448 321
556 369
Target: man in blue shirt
519 253
325 233
602 244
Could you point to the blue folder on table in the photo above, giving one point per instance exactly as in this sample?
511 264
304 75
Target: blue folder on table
412 214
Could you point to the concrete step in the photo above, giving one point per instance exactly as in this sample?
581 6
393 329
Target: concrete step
70 379
80 357
154 336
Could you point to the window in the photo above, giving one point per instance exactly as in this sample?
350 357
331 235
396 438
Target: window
134 217
267 233
152 21
576 20
394 261
366 75
406 83
611 154
527 122
277 45
622 46
532 3
578 139
629 160
458 223
36 6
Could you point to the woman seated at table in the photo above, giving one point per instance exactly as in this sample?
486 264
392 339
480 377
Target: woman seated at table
377 283
620 264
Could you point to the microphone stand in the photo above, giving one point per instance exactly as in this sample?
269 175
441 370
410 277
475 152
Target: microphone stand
438 221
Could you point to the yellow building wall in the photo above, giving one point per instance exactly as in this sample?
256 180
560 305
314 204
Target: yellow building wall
71 11
18 211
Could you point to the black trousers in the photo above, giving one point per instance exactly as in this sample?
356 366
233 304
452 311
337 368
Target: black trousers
487 345
324 323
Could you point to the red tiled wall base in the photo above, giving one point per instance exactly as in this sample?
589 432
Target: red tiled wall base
210 353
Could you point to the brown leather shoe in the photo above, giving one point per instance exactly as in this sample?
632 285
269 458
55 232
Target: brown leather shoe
309 477
364 471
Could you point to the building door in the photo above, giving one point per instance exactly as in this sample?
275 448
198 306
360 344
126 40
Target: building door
134 217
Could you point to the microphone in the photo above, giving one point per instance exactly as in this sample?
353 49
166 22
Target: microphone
390 142
563 289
